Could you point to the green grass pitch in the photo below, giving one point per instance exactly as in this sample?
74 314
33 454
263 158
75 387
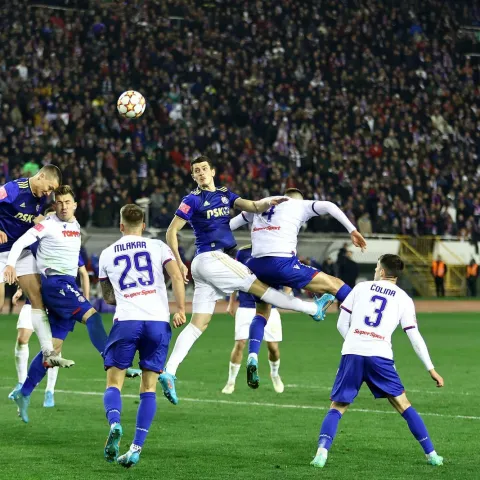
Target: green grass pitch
252 434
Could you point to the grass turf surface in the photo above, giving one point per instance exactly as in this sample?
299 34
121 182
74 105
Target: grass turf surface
252 434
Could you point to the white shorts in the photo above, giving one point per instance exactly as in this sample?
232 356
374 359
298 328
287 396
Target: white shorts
244 317
26 264
216 275
25 317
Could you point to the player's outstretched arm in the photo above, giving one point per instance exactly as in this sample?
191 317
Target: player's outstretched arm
179 318
420 347
231 304
240 220
259 206
108 292
172 241
27 239
84 281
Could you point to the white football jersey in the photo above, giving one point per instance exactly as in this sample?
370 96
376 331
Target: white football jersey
376 309
134 266
275 232
59 246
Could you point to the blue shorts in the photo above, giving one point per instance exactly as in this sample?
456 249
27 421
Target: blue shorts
377 372
64 303
282 271
150 338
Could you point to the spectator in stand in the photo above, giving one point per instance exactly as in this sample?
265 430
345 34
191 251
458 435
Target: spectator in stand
348 271
472 276
329 267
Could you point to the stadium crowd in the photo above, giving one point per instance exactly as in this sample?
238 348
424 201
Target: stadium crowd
370 104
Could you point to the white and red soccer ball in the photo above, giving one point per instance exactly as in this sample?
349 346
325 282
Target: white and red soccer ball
131 104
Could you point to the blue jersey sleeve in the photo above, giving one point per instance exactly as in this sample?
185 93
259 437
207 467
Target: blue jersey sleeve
81 263
9 192
232 197
187 208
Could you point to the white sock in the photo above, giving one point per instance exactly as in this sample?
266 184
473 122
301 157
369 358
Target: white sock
22 353
281 300
233 372
52 374
182 346
42 329
274 366
252 355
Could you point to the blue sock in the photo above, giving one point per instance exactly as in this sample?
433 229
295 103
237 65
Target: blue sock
96 332
35 375
112 402
343 292
255 336
329 428
418 429
145 416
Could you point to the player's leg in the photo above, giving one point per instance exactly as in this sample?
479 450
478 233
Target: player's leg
322 283
22 352
234 365
347 384
119 353
255 336
36 373
152 348
416 425
273 337
2 288
243 319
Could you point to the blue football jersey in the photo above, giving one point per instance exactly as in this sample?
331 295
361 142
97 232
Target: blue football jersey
18 208
209 215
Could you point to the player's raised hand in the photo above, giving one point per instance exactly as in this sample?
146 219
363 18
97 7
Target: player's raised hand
278 200
179 319
3 237
184 272
10 275
437 378
17 296
358 240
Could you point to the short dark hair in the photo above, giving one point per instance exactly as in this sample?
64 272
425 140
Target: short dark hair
294 190
53 172
392 264
201 159
64 190
132 215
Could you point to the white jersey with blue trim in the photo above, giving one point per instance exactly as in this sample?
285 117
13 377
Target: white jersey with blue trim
275 232
376 308
134 266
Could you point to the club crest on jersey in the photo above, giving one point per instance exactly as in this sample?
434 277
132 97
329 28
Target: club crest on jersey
225 200
81 299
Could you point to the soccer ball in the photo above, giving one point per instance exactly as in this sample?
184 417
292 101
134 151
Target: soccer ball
131 104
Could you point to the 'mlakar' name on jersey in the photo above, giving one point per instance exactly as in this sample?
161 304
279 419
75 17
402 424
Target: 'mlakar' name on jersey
18 209
122 247
209 215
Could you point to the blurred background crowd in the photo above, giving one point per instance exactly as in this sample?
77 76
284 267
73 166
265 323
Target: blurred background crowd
372 104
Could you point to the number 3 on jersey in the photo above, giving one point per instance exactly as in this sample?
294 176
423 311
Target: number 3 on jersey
378 311
142 263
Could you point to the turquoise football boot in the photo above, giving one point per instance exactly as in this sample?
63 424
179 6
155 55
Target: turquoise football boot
22 402
253 380
322 305
18 386
112 445
48 401
133 372
129 459
167 381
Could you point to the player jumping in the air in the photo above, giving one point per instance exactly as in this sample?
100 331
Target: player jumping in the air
21 201
131 272
216 274
275 262
368 317
57 259
244 315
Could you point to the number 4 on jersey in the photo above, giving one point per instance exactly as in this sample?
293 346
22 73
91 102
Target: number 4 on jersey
269 213
378 311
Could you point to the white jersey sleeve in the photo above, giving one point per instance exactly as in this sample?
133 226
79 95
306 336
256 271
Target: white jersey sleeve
408 320
317 208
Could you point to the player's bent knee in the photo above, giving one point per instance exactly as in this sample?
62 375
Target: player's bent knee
149 381
240 345
263 309
400 403
23 336
323 283
201 320
340 406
